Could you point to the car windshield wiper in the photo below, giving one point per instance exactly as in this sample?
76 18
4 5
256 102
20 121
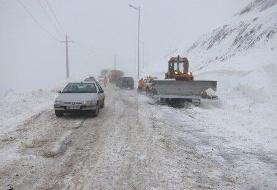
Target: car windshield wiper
78 92
87 92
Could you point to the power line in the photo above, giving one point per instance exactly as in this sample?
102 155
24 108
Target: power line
36 21
80 45
55 16
49 17
91 51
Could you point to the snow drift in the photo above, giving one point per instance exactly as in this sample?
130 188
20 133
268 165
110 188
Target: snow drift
17 107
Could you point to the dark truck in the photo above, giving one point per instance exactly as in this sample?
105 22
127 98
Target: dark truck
125 83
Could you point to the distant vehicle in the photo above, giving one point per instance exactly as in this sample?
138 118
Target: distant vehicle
115 75
89 79
125 83
146 84
101 79
80 97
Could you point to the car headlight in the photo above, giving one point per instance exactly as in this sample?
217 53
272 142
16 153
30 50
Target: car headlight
89 102
58 102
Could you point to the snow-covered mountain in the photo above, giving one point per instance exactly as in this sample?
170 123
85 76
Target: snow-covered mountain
253 27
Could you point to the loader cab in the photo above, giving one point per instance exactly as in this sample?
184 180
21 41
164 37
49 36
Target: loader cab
178 69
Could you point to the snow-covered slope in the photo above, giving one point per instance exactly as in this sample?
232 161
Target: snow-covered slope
241 56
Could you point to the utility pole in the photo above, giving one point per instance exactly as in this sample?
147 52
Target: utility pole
143 58
138 42
139 15
66 55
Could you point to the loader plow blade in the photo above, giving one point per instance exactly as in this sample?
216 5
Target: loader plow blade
182 89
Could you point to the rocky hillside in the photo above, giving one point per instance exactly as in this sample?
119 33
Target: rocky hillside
255 26
258 5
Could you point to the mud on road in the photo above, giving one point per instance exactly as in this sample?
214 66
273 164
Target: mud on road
133 144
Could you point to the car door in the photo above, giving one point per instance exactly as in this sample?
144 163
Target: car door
100 93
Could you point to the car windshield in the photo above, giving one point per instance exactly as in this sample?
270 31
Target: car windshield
80 88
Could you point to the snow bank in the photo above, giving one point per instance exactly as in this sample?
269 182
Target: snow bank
17 107
247 87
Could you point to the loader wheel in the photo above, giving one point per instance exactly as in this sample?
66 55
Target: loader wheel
154 91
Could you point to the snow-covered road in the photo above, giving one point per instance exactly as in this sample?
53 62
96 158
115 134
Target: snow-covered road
133 144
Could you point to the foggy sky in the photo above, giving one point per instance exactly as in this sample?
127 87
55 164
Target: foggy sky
30 58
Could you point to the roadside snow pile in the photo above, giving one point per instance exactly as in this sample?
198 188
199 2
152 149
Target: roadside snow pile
17 107
242 56
247 88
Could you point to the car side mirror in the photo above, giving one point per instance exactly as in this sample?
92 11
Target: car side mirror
59 91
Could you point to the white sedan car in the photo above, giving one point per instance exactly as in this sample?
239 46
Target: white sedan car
80 97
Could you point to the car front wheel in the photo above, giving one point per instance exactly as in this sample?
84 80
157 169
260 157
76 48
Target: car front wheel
96 111
103 104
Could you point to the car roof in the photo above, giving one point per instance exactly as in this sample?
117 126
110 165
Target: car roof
82 82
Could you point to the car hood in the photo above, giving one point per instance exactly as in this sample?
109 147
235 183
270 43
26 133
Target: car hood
76 97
